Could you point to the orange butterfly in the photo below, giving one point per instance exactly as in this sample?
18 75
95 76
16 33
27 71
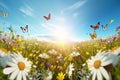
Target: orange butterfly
94 35
4 14
96 26
47 17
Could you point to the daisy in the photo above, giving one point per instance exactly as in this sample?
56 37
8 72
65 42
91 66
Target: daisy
116 50
113 55
96 66
69 70
18 67
44 55
3 52
4 57
52 52
47 75
74 54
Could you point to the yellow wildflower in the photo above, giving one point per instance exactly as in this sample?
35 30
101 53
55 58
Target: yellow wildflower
87 53
60 76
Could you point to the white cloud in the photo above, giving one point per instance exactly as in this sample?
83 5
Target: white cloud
3 5
74 6
27 10
43 37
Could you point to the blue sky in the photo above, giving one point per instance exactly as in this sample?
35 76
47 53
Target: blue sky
69 18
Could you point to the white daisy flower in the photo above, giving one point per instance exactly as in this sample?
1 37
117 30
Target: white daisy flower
96 66
114 56
18 68
52 52
69 70
47 75
4 57
44 55
117 51
3 52
74 54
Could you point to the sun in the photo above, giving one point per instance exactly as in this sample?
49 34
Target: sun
61 35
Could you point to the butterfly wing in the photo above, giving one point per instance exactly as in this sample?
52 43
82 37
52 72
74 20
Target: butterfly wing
95 27
4 14
94 35
104 27
47 17
26 28
23 30
111 21
91 35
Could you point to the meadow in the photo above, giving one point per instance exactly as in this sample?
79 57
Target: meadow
57 57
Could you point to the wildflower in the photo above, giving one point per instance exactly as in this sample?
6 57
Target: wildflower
60 76
48 65
36 75
47 75
52 52
3 52
18 67
74 54
44 55
87 53
113 55
96 66
83 74
69 70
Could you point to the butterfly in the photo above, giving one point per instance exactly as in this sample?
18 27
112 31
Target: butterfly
10 28
118 29
96 26
104 27
24 29
111 21
94 35
4 14
47 17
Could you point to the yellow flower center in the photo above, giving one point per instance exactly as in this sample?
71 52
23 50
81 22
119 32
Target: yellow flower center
4 50
97 64
46 75
114 48
21 65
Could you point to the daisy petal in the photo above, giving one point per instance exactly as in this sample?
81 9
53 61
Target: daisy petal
9 70
106 63
99 76
14 74
104 73
24 75
19 77
11 64
94 75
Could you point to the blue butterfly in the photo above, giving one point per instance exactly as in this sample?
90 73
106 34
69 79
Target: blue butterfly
10 28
